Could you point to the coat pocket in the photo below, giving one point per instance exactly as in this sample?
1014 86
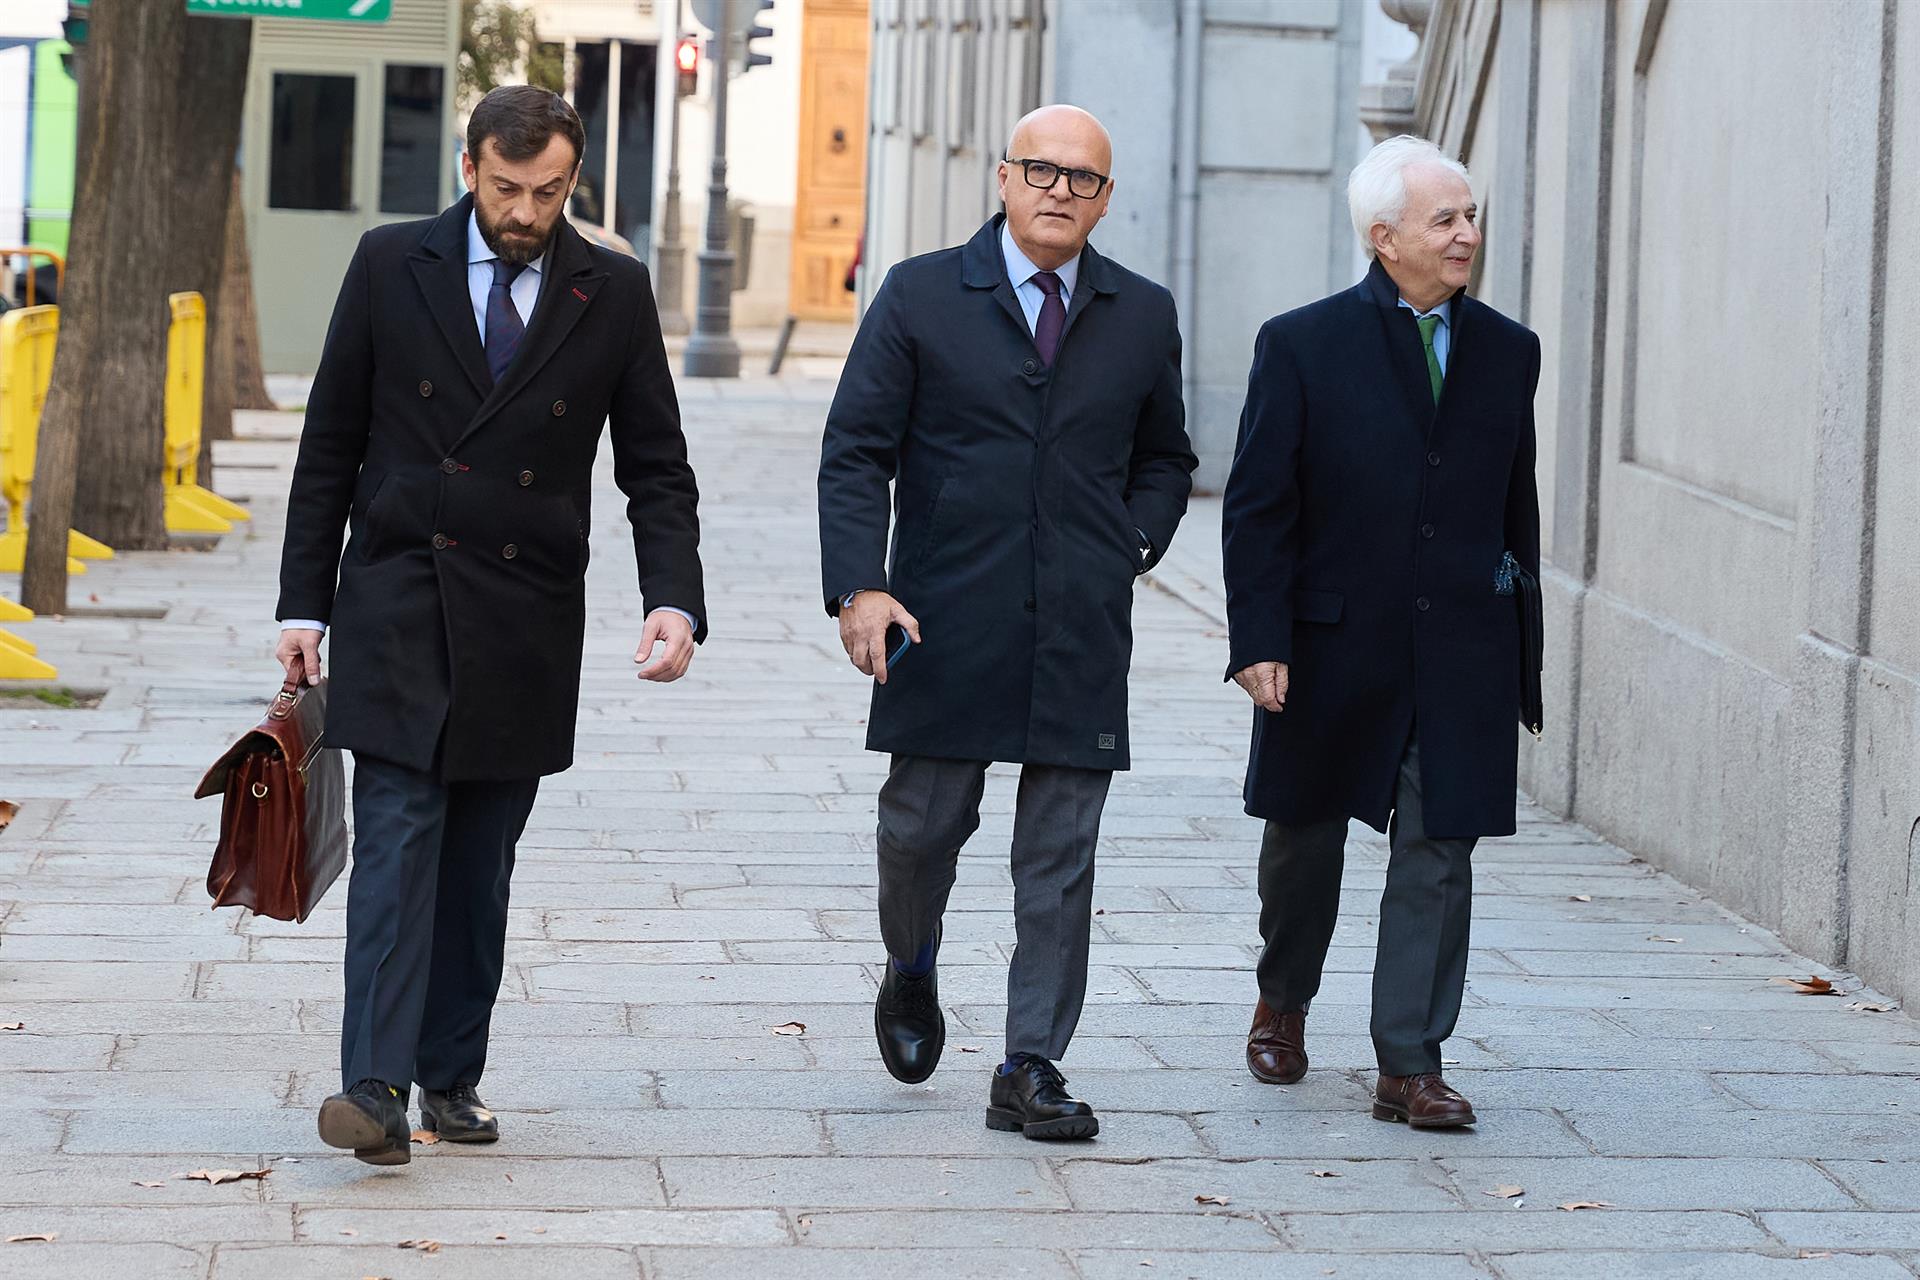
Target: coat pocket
1318 606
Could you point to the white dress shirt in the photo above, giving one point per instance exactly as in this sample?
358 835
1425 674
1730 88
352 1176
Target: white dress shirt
1021 271
1442 333
525 292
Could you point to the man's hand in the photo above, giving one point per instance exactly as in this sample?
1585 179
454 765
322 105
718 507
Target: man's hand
863 630
298 654
1265 683
665 626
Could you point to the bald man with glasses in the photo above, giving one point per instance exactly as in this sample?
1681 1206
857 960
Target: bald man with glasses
1021 395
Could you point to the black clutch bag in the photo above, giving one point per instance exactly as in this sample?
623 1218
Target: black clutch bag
1524 587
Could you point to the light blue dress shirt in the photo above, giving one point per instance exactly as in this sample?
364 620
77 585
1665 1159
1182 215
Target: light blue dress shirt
525 292
1021 271
1443 335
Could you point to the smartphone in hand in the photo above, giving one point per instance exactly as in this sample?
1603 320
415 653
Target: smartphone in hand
897 644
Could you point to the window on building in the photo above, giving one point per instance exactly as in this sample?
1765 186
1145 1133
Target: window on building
410 123
311 166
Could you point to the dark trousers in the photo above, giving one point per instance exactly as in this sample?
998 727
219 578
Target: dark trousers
928 809
426 922
1420 964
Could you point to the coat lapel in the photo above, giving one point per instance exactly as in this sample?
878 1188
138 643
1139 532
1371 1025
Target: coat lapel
568 285
1096 277
983 267
1400 337
440 267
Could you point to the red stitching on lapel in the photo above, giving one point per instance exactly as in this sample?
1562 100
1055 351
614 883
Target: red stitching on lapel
580 295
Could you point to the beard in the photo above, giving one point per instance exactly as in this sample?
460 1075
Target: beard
515 243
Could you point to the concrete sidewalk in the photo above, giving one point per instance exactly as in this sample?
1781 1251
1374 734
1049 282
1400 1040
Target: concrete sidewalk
704 876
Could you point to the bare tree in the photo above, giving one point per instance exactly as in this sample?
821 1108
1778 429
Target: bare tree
236 334
109 370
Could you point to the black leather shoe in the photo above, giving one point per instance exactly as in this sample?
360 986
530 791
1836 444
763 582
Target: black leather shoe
370 1120
909 1024
1032 1099
458 1115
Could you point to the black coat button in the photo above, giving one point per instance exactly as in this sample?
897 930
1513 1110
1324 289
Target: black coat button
439 542
1031 604
1029 367
559 408
509 551
1423 604
526 478
426 388
1426 531
448 466
1433 459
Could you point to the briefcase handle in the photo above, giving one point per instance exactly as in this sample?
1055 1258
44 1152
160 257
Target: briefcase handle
284 701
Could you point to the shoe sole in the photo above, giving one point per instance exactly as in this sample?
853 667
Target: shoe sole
1004 1121
939 1047
1266 1078
432 1125
347 1127
1398 1115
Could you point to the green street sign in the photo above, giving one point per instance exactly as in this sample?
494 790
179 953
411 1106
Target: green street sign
315 10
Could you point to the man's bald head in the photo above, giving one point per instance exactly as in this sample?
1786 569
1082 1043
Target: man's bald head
1050 223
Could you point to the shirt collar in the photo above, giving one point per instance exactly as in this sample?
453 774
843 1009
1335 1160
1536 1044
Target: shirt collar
1020 269
477 250
1444 311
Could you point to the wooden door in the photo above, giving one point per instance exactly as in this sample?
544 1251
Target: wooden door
829 205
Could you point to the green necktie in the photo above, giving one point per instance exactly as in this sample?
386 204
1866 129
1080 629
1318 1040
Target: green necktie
1427 325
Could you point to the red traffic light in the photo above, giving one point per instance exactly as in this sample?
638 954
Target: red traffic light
687 56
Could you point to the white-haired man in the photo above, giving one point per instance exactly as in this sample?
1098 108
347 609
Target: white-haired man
1384 474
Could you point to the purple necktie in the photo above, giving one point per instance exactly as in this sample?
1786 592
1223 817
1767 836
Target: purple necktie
1053 317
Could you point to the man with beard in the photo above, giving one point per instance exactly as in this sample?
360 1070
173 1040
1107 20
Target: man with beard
451 430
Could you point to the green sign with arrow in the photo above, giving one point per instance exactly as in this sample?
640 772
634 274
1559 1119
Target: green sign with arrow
315 10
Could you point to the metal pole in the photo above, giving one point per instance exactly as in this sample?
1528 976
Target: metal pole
608 222
711 351
670 256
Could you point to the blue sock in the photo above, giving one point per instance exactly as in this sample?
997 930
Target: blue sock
920 965
1013 1061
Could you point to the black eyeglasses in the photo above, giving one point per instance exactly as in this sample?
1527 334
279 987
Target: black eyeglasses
1083 183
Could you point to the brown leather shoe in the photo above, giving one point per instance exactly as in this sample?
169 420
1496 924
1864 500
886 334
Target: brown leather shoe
1277 1045
1423 1101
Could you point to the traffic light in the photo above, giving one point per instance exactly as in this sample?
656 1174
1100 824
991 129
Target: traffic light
754 31
686 65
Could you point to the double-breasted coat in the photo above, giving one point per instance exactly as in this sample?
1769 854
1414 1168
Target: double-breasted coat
457 608
1363 528
1019 496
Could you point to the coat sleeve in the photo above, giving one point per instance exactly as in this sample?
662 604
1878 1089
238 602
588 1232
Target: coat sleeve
1523 495
650 465
1260 512
860 451
1160 473
333 443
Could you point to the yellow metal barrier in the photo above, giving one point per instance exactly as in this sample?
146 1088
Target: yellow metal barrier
190 507
18 663
27 339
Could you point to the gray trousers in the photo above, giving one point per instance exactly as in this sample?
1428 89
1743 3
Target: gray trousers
1420 965
426 922
928 809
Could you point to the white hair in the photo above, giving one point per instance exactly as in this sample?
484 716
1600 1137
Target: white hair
1377 187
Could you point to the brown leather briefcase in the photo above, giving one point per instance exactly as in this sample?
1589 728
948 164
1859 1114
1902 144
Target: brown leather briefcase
283 824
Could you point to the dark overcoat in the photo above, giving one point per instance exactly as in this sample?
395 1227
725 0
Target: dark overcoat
1363 528
1019 493
457 609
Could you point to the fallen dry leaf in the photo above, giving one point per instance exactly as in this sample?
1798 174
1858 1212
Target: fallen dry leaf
789 1029
7 809
499 1235
348 1231
1580 897
1322 1173
217 1176
13 1026
38 1237
1505 1192
1863 1007
421 1246
1572 1205
969 1048
1204 1199
149 1185
425 1137
1814 986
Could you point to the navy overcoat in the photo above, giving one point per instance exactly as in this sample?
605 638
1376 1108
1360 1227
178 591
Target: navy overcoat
458 606
1363 528
1017 493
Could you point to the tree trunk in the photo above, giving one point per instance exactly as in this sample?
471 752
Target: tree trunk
212 95
237 340
109 370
